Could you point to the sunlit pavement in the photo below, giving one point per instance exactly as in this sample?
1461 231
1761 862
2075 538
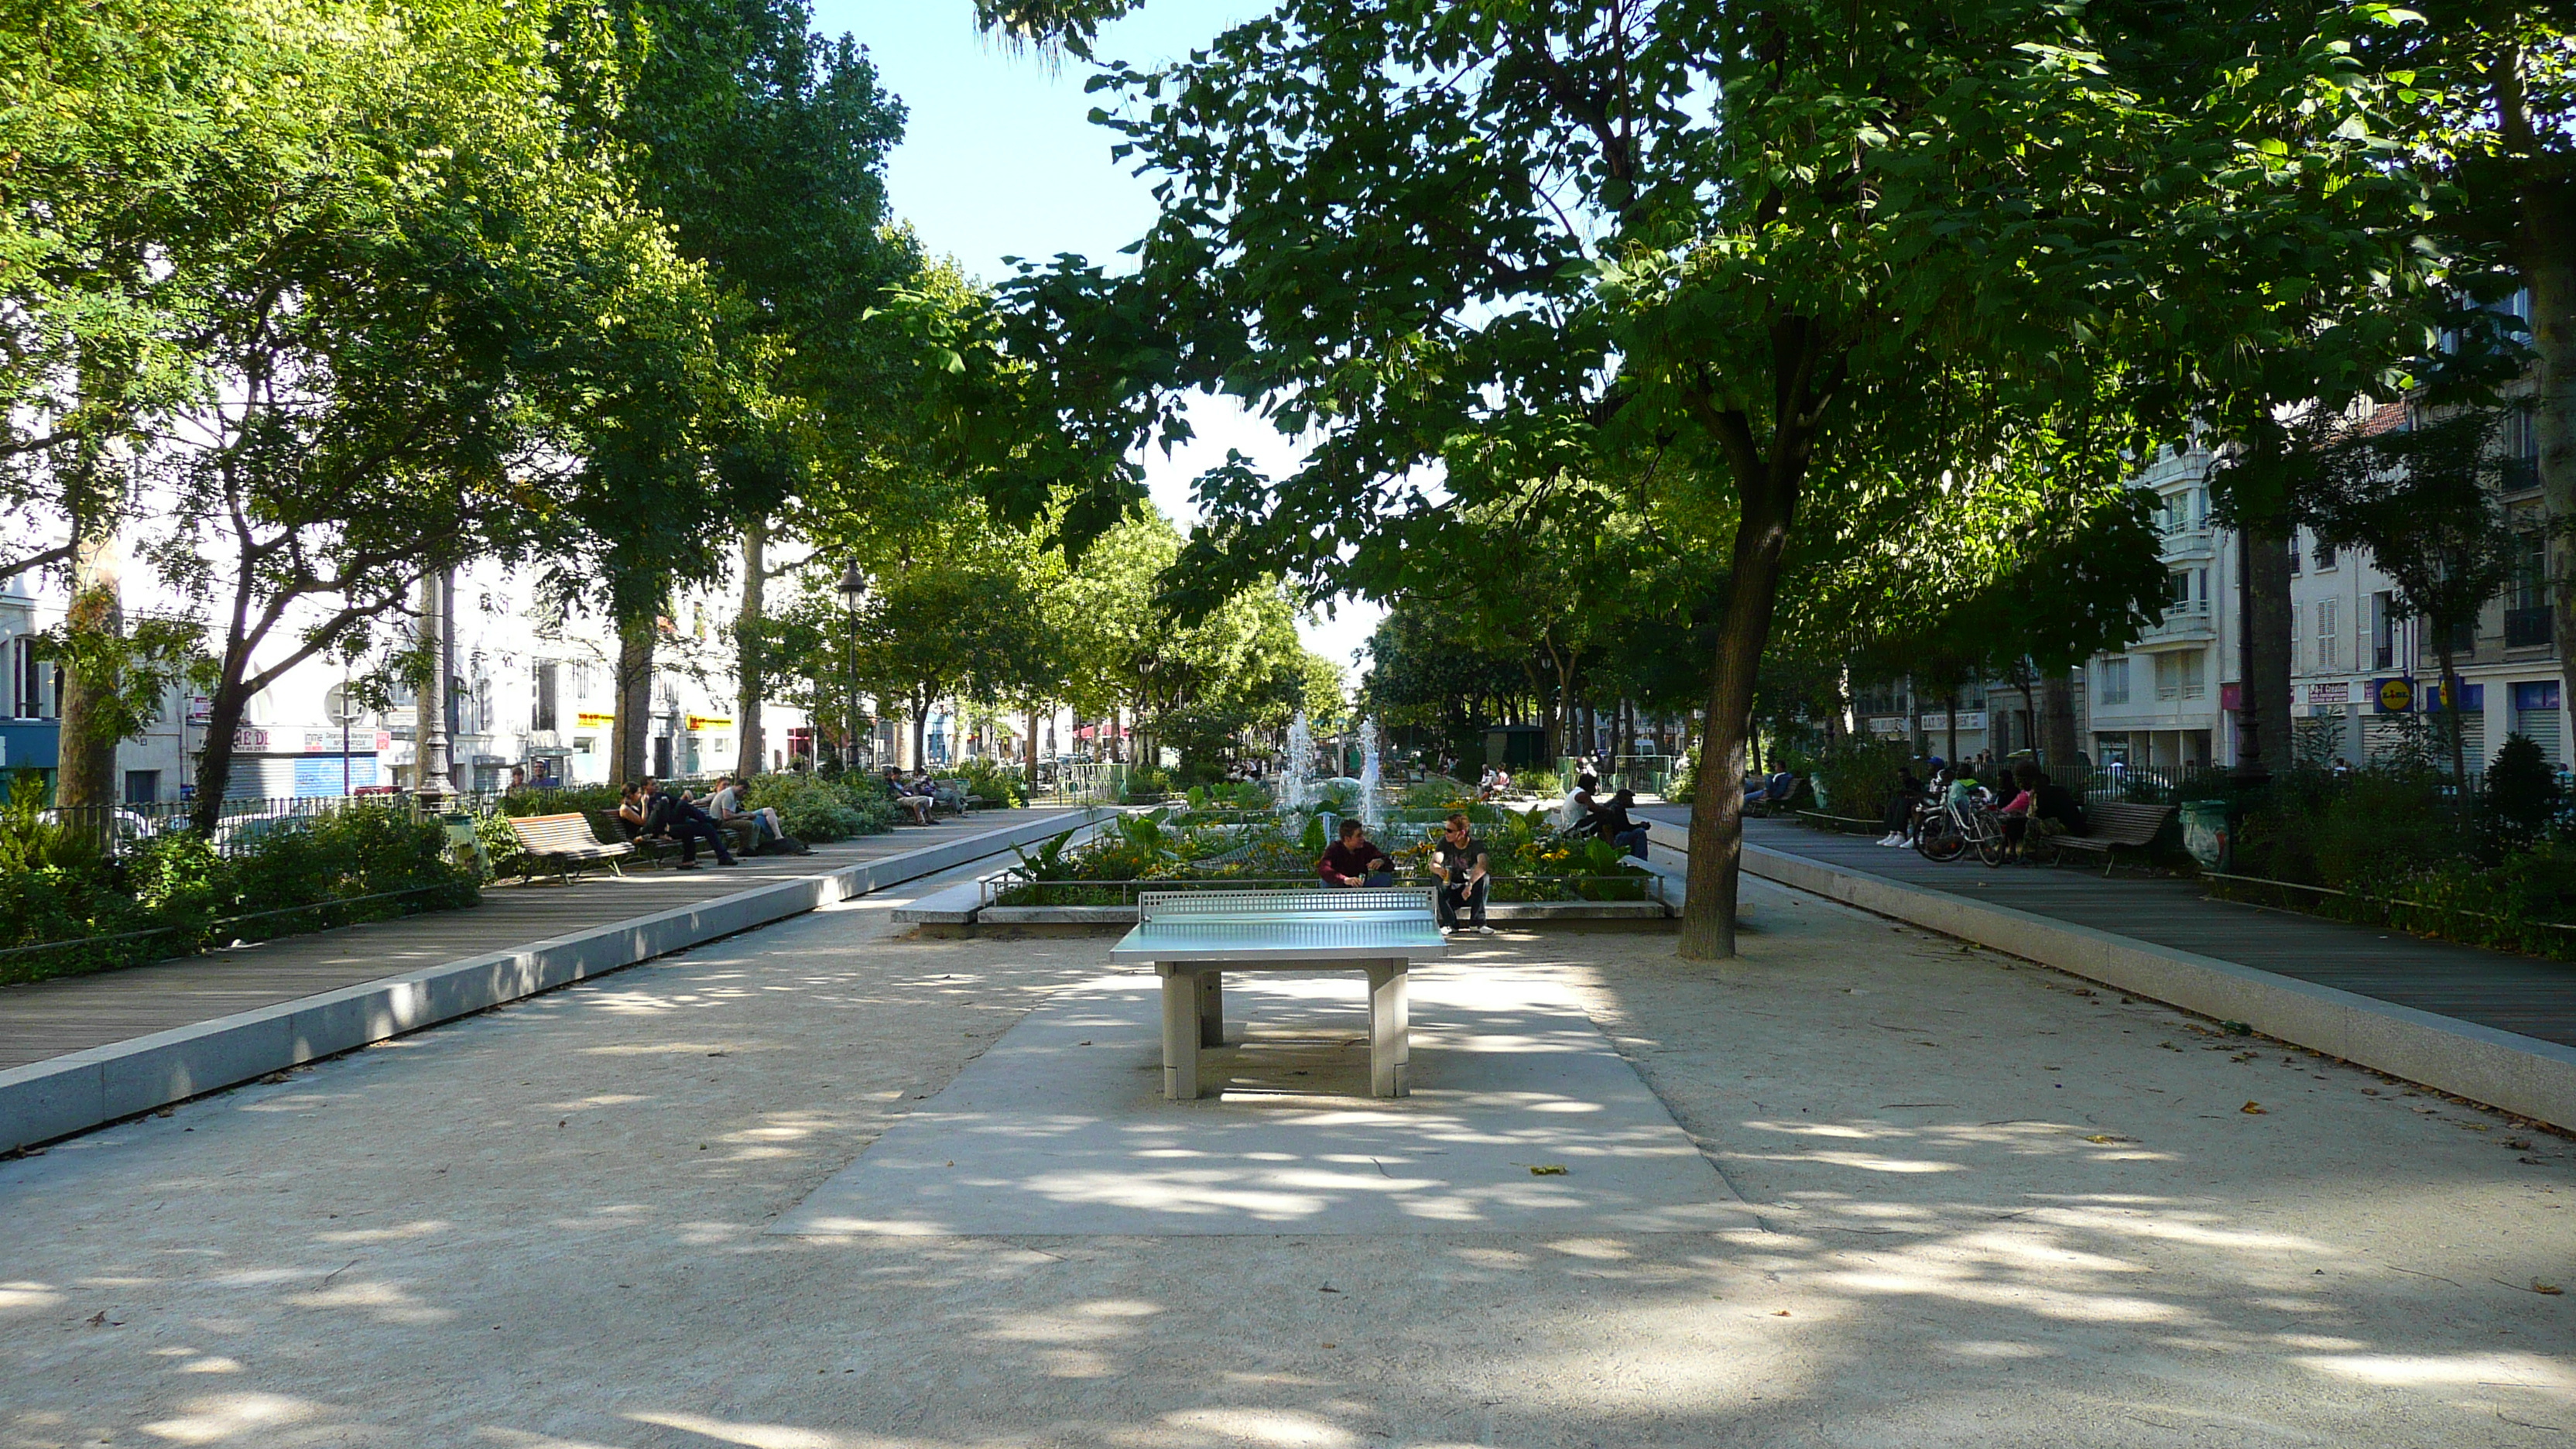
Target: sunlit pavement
1986 1205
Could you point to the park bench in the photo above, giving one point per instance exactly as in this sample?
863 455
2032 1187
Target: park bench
1193 938
606 826
565 842
2112 825
950 794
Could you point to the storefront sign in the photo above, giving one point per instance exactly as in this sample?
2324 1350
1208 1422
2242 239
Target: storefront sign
2339 692
201 710
1891 727
2472 696
594 721
699 722
250 741
2394 696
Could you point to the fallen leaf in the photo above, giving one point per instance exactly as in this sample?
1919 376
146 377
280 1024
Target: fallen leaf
1783 1313
98 1318
2552 1289
1328 1288
2106 1137
1547 1169
2252 1109
2518 1144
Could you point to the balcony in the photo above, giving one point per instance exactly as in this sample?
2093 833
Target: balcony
2189 542
2182 624
2526 628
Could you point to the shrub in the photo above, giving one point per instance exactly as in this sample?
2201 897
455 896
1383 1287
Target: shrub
817 810
2520 800
993 780
1858 776
1147 784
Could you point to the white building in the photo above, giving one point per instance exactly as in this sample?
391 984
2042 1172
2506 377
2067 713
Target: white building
2164 702
2356 667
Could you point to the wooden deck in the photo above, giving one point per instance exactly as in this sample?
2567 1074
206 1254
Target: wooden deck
48 1018
2525 994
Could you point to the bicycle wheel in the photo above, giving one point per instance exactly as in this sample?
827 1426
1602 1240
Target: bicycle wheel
1938 838
1991 847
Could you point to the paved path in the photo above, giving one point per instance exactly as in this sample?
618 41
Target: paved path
48 1018
2512 993
1987 1213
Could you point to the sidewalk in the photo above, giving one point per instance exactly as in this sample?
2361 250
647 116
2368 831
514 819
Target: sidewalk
2494 1027
82 1050
48 1018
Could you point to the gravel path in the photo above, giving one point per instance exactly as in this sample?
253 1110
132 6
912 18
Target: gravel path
1994 1207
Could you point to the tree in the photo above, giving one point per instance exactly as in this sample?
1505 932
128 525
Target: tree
2423 501
1803 255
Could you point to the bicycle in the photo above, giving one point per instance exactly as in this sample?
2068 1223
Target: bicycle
1954 828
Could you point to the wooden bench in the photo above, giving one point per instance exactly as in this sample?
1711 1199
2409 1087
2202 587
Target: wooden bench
565 842
2113 824
951 794
605 825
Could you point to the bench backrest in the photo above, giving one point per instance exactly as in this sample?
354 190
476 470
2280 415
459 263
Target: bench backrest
2125 824
1396 901
541 833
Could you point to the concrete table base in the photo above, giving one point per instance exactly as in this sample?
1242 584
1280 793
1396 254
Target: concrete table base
1194 1019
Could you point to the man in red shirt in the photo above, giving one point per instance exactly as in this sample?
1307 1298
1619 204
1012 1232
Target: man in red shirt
1354 861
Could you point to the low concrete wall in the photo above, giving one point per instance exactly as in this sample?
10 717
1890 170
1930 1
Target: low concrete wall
75 1092
2520 1074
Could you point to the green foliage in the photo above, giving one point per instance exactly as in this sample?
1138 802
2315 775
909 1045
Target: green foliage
995 780
179 888
1859 776
2521 797
1148 784
818 810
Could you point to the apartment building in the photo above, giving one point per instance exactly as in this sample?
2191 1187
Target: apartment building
2358 667
2166 700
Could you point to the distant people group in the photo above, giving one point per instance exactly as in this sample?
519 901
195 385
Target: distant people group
2032 807
657 810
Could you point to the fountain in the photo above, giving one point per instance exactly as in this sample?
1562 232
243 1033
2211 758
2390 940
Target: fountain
1372 808
1294 789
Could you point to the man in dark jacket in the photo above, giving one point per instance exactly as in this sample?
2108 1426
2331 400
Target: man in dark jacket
1612 823
670 813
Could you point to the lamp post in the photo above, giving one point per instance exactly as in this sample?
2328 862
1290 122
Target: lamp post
854 590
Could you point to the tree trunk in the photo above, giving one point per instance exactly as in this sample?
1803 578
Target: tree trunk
2451 716
1032 752
2058 746
751 650
2264 672
2544 244
432 749
215 761
87 758
1717 817
1915 740
1952 733
921 734
626 757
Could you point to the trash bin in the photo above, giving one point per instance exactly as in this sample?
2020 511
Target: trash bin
2204 832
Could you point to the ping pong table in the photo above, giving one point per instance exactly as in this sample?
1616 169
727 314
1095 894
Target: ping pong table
1194 937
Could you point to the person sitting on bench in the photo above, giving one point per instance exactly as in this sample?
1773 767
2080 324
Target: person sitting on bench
671 814
1612 823
1354 860
1466 878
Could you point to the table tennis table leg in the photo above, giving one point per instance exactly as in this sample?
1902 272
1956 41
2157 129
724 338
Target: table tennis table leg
1390 1030
1211 1006
1180 1034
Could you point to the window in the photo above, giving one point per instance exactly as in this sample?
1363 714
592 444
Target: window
2200 588
544 716
2182 675
2300 659
2178 591
2329 635
2114 686
2526 613
585 679
2294 554
2521 438
2194 683
32 673
142 787
2383 630
2325 554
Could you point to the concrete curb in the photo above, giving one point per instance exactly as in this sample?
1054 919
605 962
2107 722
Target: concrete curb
2520 1074
72 1093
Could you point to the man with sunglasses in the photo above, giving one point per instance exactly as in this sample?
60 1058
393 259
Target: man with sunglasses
1466 878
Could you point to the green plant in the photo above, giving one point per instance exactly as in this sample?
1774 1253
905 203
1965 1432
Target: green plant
817 810
1859 776
1147 784
2520 800
994 781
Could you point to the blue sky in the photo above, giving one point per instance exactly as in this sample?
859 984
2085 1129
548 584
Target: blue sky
999 160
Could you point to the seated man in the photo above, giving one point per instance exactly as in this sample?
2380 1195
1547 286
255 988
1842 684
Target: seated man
1577 807
1354 860
668 812
725 804
912 799
1466 878
1612 823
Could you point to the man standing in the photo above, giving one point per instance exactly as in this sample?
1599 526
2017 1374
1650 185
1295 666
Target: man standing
1466 879
671 814
1355 860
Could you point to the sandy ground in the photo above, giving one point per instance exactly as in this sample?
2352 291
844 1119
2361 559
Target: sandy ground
1994 1208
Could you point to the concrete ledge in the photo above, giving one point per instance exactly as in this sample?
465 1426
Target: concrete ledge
2517 1073
80 1090
1527 911
948 906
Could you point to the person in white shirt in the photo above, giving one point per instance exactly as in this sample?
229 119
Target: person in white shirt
1578 804
726 804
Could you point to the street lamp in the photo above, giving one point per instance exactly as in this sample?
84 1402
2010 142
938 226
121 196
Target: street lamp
854 590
